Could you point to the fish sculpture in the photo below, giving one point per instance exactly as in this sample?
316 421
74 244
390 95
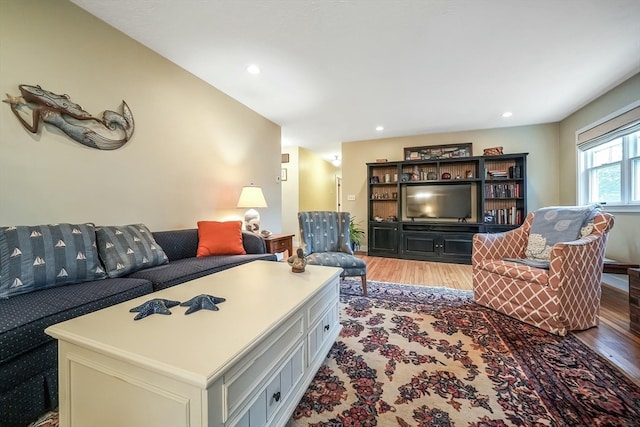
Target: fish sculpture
109 133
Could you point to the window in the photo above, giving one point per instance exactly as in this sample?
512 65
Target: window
609 164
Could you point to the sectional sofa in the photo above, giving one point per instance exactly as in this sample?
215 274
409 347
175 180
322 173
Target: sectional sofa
52 273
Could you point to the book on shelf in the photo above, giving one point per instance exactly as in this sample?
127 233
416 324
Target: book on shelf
498 173
503 191
505 216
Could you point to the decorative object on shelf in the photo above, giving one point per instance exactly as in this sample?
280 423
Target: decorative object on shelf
153 306
381 160
387 177
202 302
494 151
469 174
446 175
431 176
405 177
434 152
109 133
298 261
374 180
252 197
489 219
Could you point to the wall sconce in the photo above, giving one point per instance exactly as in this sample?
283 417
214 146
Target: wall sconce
252 197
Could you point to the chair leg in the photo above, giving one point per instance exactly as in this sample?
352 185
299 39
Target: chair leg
364 285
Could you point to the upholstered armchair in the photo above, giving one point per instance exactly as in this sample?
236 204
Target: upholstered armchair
324 239
558 297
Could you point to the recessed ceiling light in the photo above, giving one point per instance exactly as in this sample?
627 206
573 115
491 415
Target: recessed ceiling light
379 128
253 69
507 114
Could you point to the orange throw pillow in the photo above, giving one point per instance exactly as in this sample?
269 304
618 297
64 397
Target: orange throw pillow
220 238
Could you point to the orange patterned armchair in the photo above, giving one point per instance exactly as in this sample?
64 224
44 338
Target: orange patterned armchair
563 297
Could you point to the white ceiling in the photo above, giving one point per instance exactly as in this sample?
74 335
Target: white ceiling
333 70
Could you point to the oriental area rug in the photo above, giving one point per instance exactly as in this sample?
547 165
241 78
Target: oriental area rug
423 356
415 356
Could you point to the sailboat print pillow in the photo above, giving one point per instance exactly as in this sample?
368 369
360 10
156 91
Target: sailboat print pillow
42 256
127 248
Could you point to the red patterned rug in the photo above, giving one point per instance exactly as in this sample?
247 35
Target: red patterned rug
422 356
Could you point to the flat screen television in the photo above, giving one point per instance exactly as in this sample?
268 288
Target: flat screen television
439 202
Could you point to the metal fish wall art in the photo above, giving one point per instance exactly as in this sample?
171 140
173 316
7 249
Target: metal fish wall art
109 133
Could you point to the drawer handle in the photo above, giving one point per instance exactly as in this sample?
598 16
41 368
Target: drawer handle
326 327
276 396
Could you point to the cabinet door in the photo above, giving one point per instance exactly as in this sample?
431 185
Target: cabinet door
420 245
456 245
383 239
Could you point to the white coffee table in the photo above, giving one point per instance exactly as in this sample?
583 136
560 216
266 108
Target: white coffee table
247 364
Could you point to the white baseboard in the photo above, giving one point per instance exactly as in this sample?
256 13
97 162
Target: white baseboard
618 281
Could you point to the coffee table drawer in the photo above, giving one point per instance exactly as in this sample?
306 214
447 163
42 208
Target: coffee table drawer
269 400
322 331
251 372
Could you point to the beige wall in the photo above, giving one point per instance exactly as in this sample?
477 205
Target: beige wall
624 239
317 183
540 141
192 150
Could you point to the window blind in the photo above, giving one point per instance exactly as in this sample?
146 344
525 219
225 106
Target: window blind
625 123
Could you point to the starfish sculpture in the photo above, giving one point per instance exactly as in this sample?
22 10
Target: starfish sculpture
202 302
153 306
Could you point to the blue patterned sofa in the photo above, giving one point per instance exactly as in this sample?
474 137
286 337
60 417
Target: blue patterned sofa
28 357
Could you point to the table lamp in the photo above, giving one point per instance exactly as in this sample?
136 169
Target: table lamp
252 197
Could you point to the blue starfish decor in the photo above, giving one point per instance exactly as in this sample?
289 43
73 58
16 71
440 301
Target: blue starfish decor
153 306
202 302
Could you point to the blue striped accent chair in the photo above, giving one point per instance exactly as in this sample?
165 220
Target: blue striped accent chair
324 239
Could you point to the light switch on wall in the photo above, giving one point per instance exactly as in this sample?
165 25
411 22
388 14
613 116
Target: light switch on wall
351 197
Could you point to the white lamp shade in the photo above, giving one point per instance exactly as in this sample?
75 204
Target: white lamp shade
252 197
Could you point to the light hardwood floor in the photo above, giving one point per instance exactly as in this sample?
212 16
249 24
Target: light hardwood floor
612 339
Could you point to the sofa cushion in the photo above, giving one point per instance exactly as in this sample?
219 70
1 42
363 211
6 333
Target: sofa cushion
178 244
25 317
220 238
182 270
128 248
515 270
42 256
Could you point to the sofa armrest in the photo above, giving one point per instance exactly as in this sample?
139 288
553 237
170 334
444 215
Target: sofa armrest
253 243
578 264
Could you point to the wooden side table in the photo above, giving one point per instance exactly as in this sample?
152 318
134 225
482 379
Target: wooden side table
277 243
634 300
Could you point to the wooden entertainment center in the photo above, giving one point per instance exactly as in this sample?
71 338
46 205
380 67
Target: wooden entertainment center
481 194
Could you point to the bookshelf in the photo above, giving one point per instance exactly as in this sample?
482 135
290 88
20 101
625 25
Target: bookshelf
498 203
